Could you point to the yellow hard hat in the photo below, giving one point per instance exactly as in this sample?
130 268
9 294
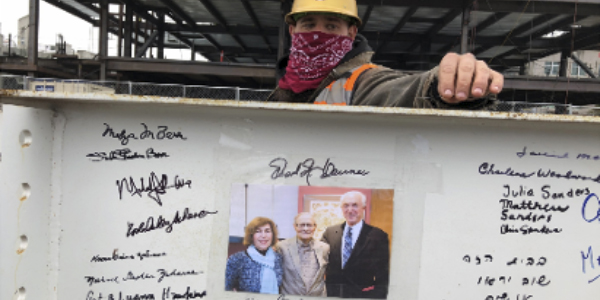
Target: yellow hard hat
343 7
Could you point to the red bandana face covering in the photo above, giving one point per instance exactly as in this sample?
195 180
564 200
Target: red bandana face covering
312 56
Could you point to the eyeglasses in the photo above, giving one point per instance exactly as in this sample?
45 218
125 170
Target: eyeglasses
303 225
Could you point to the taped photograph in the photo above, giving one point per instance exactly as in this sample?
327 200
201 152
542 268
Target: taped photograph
309 241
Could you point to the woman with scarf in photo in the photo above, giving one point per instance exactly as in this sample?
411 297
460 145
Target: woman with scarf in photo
258 268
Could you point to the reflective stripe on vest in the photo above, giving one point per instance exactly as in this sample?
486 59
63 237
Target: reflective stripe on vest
339 92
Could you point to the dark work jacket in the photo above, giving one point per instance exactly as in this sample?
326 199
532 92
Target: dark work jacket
379 86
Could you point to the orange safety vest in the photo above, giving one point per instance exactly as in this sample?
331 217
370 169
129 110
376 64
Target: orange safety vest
340 91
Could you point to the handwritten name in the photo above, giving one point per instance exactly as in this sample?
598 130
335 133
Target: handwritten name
91 280
175 273
580 156
532 205
588 258
121 296
123 136
490 169
160 275
150 224
95 280
118 256
153 188
188 294
546 190
307 167
166 295
125 154
526 229
520 154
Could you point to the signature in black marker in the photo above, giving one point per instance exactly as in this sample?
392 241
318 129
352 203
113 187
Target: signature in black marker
520 154
95 280
491 169
132 277
580 156
125 154
175 273
305 169
153 188
161 134
116 256
188 294
160 276
151 225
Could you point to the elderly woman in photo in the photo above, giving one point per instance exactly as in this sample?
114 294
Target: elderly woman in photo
258 268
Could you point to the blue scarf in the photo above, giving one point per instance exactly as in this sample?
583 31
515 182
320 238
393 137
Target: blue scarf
268 278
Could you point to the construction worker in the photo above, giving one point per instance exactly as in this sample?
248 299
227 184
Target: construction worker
330 63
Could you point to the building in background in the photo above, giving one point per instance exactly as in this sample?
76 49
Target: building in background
23 33
1 41
47 51
549 66
84 54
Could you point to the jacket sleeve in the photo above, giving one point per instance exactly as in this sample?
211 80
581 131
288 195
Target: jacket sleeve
382 267
389 88
231 276
324 238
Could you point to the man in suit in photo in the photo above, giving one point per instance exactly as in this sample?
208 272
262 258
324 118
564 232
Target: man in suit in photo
359 259
304 260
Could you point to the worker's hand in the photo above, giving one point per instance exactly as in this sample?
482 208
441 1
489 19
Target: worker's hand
463 78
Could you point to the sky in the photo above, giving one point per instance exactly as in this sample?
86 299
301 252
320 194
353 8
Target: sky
54 21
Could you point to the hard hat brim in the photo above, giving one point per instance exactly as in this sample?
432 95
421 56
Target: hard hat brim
289 18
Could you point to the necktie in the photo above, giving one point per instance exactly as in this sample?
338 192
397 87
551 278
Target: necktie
347 247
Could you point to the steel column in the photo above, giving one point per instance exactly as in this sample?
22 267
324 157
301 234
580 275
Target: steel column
120 35
32 43
103 45
149 32
160 43
464 35
128 29
193 58
137 35
564 62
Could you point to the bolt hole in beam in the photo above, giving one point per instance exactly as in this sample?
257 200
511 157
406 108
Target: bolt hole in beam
25 138
25 191
22 244
19 294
